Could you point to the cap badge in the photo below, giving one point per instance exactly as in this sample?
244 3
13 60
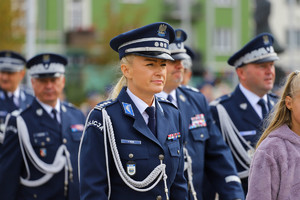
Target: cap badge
178 35
162 30
266 39
46 58
7 54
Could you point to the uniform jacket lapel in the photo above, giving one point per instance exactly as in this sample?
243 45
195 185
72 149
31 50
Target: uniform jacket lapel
64 119
139 123
246 110
44 118
162 124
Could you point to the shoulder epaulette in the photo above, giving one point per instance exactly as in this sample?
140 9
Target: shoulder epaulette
163 100
220 99
192 88
104 104
273 95
15 113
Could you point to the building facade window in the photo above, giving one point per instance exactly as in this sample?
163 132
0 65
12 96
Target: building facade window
293 38
222 40
78 14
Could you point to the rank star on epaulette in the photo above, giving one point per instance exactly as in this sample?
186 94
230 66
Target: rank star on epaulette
197 121
174 136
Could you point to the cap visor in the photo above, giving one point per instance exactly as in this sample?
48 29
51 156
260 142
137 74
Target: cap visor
163 56
48 75
268 59
180 56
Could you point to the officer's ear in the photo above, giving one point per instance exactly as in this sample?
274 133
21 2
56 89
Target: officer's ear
288 102
126 70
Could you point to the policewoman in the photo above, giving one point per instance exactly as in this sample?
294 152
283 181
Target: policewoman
132 144
40 151
240 114
12 96
205 150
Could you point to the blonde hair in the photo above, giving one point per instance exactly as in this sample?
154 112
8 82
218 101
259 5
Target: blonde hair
280 114
127 60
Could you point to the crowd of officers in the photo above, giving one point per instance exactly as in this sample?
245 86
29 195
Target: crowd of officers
154 138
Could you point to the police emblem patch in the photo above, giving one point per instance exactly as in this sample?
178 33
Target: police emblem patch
131 168
43 152
128 109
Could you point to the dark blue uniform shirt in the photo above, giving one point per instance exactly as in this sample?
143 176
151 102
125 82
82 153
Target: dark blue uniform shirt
210 154
136 144
244 117
46 135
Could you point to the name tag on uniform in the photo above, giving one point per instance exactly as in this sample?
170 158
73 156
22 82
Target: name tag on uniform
124 141
197 121
245 133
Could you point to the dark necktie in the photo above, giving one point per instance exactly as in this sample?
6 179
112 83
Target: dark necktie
11 102
262 103
54 112
170 98
151 122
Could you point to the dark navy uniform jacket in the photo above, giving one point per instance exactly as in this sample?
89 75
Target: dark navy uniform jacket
45 136
204 142
135 143
244 118
7 105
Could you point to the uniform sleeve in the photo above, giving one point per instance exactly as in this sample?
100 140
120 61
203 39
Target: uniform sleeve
92 167
264 177
219 164
11 162
179 187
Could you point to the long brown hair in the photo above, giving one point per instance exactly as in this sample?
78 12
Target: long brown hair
280 114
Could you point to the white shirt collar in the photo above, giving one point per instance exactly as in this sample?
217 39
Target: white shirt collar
253 99
16 94
164 95
49 108
140 104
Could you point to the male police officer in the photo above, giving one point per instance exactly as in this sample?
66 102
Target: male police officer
206 149
12 97
240 114
39 157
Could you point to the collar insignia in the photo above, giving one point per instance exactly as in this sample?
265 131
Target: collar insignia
128 109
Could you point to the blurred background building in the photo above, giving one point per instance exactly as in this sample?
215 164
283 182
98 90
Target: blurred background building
82 29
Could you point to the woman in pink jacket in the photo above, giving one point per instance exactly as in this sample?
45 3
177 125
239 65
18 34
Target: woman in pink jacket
275 168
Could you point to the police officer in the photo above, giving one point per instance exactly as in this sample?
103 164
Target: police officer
239 114
40 151
12 97
206 150
187 65
134 140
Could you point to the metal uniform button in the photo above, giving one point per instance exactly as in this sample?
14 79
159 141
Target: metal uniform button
130 155
161 157
43 143
34 196
65 141
158 197
48 139
201 135
178 151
